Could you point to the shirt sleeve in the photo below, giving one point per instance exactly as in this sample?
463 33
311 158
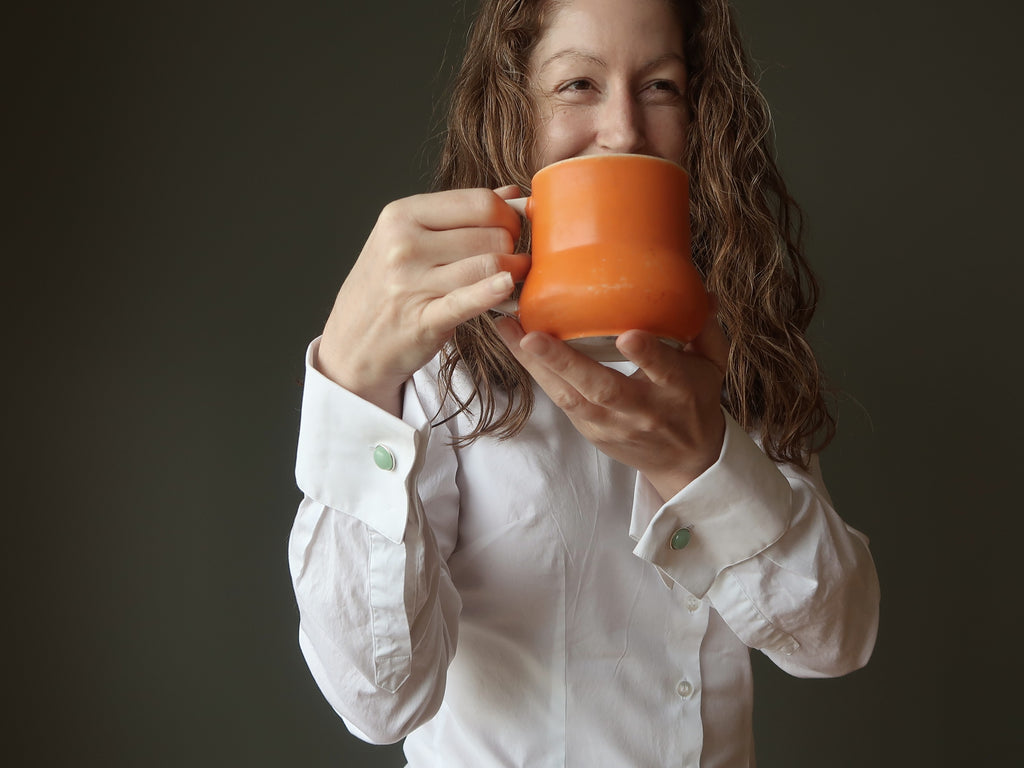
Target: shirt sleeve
378 615
764 544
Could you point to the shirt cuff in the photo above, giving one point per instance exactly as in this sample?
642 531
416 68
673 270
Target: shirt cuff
355 457
737 508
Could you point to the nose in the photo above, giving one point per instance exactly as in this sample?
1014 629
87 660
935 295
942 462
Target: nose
620 123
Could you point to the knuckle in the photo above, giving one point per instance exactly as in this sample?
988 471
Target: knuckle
566 401
455 305
494 208
393 236
390 213
646 423
489 202
504 242
432 326
400 251
394 292
606 393
476 201
488 264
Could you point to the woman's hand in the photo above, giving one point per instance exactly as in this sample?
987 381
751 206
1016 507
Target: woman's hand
431 262
665 420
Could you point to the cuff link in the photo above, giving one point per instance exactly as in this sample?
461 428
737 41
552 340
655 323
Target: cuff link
680 539
384 458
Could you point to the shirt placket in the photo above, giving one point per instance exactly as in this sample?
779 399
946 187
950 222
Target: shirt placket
687 627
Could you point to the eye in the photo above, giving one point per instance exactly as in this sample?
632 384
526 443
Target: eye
665 85
663 91
580 84
578 90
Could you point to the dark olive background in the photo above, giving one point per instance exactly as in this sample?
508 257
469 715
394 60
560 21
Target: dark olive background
187 184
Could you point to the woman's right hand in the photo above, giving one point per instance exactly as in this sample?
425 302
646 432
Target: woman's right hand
431 262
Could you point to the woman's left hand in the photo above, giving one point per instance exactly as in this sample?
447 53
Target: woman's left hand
665 420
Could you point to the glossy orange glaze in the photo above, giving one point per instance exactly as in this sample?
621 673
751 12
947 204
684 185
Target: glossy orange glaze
611 250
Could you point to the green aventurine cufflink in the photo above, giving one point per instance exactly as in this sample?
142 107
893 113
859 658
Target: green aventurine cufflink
383 458
680 538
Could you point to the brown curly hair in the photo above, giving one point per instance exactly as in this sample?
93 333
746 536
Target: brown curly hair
746 229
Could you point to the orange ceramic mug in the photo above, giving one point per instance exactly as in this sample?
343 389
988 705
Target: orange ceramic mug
611 252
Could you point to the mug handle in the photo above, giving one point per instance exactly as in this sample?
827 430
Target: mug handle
521 205
510 307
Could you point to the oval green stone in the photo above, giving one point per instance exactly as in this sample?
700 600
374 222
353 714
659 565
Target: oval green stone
680 538
383 458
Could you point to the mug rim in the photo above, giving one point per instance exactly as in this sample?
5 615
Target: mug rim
610 156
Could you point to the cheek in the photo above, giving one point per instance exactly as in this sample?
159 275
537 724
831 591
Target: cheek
667 132
561 133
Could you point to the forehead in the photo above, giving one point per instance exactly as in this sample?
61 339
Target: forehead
619 29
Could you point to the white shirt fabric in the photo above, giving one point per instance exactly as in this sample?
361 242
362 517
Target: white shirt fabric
518 602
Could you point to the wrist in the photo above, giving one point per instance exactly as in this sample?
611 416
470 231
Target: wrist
668 479
362 380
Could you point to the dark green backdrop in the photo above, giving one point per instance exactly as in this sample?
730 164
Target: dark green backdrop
187 184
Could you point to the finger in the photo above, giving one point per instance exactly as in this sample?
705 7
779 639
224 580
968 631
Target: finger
658 361
449 277
518 264
557 389
457 208
443 314
510 332
447 246
557 365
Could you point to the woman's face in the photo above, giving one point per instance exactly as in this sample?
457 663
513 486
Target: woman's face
610 76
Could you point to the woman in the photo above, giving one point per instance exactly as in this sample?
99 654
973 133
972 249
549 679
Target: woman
513 555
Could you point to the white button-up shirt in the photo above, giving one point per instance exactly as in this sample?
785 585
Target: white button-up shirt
531 602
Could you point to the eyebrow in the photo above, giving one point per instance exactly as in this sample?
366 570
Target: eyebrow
573 53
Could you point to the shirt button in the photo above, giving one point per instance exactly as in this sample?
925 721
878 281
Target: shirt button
384 458
692 604
680 538
684 689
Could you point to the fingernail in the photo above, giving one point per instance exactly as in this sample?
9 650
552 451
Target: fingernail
630 344
534 343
